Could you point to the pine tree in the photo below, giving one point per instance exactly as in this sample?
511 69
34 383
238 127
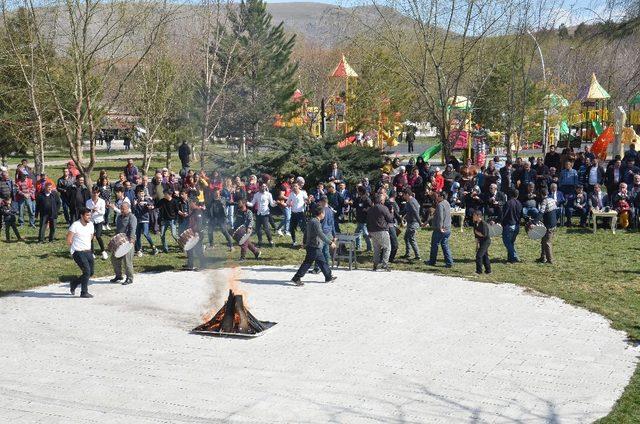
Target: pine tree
265 78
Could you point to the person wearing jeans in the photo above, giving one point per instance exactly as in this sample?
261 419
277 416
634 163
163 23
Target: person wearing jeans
79 239
168 208
142 209
441 231
511 216
262 201
297 201
362 203
412 216
25 196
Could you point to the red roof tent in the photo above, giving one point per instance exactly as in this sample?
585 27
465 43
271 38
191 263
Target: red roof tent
343 70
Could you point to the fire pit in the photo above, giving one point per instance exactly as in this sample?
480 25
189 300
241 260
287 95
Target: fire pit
233 320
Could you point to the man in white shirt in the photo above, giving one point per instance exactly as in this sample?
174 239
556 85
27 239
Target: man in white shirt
79 240
97 206
297 201
262 200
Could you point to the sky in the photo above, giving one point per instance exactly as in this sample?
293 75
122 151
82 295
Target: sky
568 12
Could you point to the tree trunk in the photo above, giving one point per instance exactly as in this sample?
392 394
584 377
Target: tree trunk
38 153
204 140
145 157
168 157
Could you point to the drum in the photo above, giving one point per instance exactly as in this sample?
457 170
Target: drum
536 231
241 235
188 239
119 245
495 230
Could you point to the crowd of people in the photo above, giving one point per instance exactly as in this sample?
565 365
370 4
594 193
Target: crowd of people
547 192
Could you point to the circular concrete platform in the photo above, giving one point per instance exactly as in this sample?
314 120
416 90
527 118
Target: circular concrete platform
397 347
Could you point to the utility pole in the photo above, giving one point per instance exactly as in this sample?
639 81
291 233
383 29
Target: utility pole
545 111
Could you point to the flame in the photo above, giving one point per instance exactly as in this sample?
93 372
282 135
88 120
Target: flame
219 293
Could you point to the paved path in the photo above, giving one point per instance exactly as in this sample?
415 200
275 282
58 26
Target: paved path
395 347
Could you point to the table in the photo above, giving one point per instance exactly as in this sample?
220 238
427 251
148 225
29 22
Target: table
595 213
461 213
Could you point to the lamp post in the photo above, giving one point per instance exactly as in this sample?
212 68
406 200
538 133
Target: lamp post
545 112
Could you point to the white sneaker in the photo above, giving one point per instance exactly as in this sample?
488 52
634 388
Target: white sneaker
139 254
280 233
105 256
295 244
107 228
287 233
94 256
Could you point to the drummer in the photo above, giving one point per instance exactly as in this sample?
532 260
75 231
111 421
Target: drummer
483 241
244 218
126 223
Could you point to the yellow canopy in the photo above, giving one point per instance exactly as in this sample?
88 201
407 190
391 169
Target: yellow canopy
593 91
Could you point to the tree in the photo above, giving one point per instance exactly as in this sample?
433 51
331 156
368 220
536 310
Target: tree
216 50
154 97
563 32
265 81
295 151
435 47
101 46
25 95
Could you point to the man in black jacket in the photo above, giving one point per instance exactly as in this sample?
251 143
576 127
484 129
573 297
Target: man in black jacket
361 204
511 215
483 241
78 196
184 153
168 208
218 218
47 207
314 240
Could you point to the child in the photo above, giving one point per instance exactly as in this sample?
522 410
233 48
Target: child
483 241
9 216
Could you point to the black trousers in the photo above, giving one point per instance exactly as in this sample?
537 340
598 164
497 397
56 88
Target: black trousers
11 226
44 221
98 232
297 220
84 260
222 226
314 254
393 236
262 221
482 256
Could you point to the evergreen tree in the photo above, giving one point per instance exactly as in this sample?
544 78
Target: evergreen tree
264 82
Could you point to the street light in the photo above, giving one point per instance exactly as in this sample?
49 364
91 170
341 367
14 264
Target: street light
545 112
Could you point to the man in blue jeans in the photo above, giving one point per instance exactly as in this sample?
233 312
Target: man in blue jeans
441 231
168 208
511 215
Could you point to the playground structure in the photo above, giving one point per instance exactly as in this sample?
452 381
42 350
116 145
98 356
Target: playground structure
303 116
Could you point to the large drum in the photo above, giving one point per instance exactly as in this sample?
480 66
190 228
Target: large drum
536 231
188 239
241 235
119 245
495 230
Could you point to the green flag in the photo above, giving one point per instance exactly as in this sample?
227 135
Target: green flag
597 127
564 128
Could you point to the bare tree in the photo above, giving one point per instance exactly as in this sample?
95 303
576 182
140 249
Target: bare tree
433 42
215 68
22 53
101 47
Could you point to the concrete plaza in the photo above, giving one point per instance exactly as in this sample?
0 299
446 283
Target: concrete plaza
397 347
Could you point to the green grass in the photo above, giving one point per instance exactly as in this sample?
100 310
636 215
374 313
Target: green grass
595 271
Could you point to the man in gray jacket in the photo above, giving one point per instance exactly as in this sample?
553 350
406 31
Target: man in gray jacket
441 231
126 223
412 216
314 239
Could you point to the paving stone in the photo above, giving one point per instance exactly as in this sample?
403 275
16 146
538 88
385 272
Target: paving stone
398 347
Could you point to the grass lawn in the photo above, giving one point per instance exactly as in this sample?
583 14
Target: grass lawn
587 273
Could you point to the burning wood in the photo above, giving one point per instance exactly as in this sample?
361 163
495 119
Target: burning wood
233 319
